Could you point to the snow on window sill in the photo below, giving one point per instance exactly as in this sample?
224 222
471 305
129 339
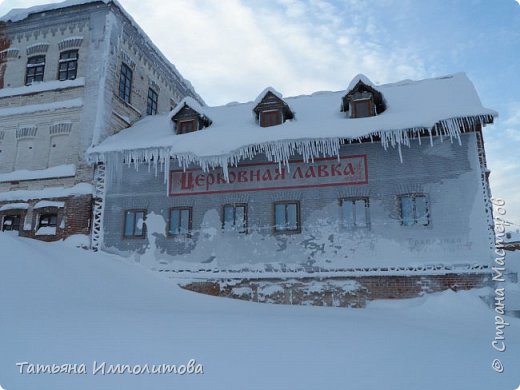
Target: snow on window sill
46 231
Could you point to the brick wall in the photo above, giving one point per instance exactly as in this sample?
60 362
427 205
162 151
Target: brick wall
340 292
73 218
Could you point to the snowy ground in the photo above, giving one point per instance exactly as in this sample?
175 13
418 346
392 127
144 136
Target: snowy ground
59 305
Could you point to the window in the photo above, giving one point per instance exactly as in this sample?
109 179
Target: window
125 83
47 224
362 108
180 221
186 126
151 102
48 220
287 217
35 69
134 223
68 65
355 213
11 222
270 118
235 218
2 74
414 210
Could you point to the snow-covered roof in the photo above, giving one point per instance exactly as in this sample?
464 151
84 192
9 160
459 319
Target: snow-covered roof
360 77
262 94
438 104
17 14
190 102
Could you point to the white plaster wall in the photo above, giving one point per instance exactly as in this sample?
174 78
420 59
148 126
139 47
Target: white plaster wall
106 34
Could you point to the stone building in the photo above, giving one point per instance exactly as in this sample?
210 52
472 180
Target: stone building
71 74
371 192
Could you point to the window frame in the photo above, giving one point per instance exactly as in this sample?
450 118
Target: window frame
354 103
266 117
143 229
244 229
298 228
182 123
190 221
415 218
11 216
152 101
125 83
353 200
31 69
49 215
68 61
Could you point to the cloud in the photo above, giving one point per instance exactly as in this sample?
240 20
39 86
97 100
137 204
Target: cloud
513 117
505 184
232 50
502 142
7 5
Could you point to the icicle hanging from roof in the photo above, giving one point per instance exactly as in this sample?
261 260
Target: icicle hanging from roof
281 151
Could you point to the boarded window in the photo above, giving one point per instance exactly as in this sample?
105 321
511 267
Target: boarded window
362 108
235 218
180 221
270 118
134 223
287 217
355 213
187 126
58 150
414 210
24 154
125 83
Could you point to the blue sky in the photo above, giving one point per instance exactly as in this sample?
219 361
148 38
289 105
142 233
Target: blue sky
231 50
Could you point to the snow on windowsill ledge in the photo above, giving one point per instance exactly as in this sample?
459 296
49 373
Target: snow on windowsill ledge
14 206
68 170
46 231
48 203
42 87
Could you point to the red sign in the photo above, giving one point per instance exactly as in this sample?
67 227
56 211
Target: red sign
348 170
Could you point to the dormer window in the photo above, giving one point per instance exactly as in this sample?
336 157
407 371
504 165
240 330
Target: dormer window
270 118
362 100
189 116
362 108
186 126
271 109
